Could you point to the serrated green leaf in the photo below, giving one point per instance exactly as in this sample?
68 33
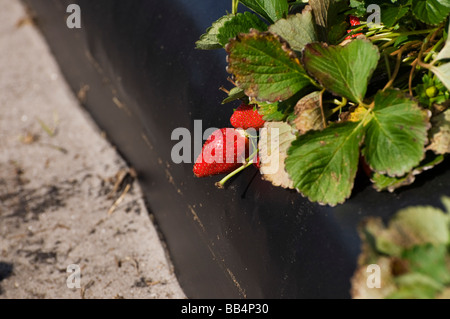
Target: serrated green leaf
343 70
440 133
323 164
241 23
209 40
396 134
431 11
265 67
271 10
298 30
385 182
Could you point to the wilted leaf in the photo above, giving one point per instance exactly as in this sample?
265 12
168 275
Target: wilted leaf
443 73
360 289
396 135
445 51
323 164
209 40
265 67
440 133
308 114
298 30
275 140
343 70
445 294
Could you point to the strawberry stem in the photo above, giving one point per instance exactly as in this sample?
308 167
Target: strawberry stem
249 162
221 183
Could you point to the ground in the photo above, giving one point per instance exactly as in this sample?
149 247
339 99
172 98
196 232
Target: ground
66 196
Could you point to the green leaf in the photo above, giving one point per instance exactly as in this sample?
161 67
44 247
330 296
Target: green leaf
429 260
323 164
385 182
209 40
241 23
298 30
415 286
235 94
431 11
327 14
392 14
279 111
446 203
419 225
396 134
271 10
343 70
440 133
265 67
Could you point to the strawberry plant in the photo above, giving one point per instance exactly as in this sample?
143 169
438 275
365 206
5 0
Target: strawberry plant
412 253
341 91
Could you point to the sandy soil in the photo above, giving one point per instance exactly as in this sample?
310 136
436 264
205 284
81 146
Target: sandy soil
66 197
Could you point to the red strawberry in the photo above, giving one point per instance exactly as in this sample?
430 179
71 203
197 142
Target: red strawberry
245 117
257 162
223 152
354 21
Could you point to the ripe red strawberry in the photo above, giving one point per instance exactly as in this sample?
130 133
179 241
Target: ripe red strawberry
245 117
223 152
354 21
257 162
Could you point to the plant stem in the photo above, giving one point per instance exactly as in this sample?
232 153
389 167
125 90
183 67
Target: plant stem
433 50
389 35
234 8
340 106
321 108
222 182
